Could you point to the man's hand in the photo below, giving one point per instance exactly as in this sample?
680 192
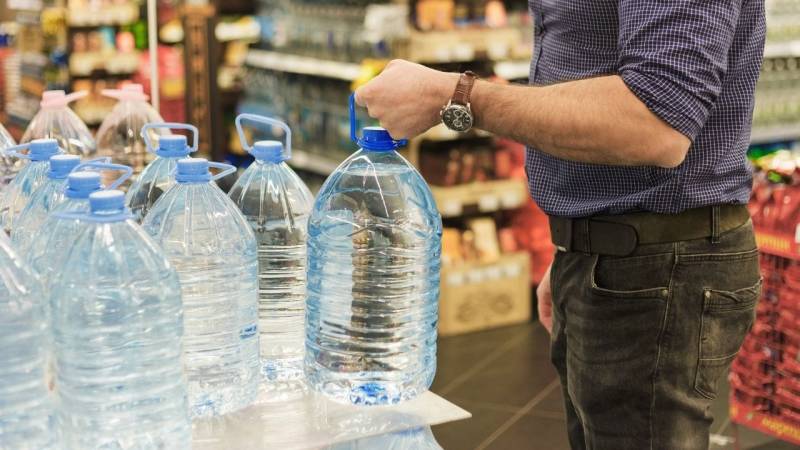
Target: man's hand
407 98
544 297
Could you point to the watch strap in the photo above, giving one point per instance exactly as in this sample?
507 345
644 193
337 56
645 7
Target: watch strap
464 88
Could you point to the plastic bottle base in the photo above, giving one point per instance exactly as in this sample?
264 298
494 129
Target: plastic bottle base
282 369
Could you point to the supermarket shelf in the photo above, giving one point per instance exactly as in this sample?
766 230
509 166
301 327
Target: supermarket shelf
442 133
438 47
782 49
770 425
778 244
779 133
312 162
284 62
513 70
486 196
125 14
482 295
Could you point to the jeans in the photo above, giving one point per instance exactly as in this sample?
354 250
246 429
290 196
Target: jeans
642 342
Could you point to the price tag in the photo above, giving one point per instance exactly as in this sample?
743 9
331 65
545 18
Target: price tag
463 52
488 203
455 279
513 271
797 234
493 273
475 276
511 200
451 208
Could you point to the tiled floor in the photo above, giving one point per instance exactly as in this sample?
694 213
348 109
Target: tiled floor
503 377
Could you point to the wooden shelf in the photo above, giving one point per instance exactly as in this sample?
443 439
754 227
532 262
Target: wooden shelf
487 196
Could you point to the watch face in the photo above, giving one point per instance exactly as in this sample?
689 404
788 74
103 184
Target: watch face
457 117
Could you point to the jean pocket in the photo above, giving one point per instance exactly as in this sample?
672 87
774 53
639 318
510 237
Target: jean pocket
632 277
727 317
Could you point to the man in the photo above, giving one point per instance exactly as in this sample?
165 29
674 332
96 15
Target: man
637 124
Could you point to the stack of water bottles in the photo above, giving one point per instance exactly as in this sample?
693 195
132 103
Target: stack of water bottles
124 316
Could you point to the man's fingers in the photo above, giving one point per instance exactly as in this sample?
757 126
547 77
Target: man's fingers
361 99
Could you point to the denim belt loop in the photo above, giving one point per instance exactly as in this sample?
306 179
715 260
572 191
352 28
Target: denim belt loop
715 224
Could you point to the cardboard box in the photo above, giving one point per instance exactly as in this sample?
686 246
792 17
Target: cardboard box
477 296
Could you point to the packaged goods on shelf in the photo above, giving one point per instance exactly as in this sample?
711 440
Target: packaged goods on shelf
764 375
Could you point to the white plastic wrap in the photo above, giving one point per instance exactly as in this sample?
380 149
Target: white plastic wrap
310 421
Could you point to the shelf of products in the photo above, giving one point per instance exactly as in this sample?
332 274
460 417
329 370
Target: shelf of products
765 392
485 197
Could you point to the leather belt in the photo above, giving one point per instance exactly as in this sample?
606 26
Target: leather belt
620 235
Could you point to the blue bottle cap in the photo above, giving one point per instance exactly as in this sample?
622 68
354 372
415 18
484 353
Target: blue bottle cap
62 165
193 170
81 184
173 146
269 151
377 139
43 149
107 202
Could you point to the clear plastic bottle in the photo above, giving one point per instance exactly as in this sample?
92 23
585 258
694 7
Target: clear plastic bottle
420 438
117 326
212 247
54 192
158 176
120 134
277 204
26 415
8 167
29 178
373 278
57 121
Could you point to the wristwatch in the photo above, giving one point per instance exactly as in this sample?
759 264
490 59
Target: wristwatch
457 114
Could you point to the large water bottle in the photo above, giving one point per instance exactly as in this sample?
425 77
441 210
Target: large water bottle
48 250
25 407
54 192
373 277
120 134
159 175
212 247
277 203
29 178
117 325
8 167
57 121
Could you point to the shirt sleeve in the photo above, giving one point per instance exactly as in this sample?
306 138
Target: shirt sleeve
674 56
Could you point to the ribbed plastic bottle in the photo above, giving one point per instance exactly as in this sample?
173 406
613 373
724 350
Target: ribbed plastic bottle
159 175
277 204
42 199
53 193
120 134
32 175
212 247
26 414
8 167
47 252
373 278
117 324
57 121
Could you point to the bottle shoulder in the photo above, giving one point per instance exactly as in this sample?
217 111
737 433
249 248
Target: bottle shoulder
380 185
271 190
198 217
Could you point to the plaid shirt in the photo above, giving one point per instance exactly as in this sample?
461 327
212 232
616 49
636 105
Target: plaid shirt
694 63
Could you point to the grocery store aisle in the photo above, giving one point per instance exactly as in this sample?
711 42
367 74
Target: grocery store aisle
504 378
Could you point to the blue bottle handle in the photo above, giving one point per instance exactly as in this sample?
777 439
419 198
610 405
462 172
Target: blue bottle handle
353 134
226 169
267 121
106 165
172 126
14 151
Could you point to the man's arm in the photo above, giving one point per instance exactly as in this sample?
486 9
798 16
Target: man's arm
596 120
